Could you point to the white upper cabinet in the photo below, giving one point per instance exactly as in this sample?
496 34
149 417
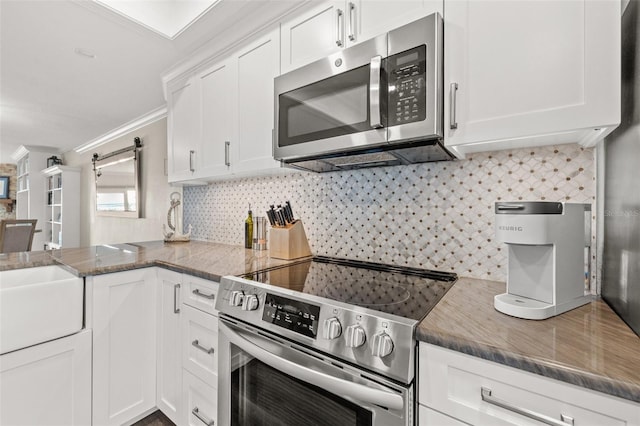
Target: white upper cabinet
530 73
183 127
221 118
312 35
373 17
256 67
218 104
334 25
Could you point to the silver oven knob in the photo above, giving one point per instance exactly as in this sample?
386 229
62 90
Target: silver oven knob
250 302
355 336
236 297
332 328
382 345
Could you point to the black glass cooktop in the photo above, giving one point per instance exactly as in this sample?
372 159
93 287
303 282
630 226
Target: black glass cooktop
406 292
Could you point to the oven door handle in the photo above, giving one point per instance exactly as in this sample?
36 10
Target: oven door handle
332 384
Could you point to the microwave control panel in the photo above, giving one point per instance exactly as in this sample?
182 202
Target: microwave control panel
406 73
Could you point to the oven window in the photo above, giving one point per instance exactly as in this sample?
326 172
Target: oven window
338 105
263 396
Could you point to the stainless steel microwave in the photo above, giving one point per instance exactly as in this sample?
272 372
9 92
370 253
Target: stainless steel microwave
377 103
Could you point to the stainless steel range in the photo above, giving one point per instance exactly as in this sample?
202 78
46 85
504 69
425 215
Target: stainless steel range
324 341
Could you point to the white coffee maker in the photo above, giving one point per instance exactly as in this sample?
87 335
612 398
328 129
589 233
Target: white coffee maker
548 264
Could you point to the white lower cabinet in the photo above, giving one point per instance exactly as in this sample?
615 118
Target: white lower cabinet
47 384
124 345
199 351
155 345
168 354
200 344
200 401
200 293
429 417
453 384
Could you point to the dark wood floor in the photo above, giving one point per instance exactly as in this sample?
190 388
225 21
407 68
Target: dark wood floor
155 419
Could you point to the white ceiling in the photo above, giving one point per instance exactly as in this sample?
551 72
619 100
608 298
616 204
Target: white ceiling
51 96
168 17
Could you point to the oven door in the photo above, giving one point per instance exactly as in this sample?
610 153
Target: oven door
267 380
332 105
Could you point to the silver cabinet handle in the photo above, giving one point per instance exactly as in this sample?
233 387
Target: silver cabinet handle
197 344
176 308
453 91
203 419
191 167
374 92
486 397
352 24
197 292
227 145
339 28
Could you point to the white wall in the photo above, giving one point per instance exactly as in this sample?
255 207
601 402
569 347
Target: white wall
95 230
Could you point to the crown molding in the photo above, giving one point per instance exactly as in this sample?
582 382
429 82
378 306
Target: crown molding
131 126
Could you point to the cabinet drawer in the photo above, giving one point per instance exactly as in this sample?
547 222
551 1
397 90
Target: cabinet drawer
200 293
200 401
200 344
429 417
452 383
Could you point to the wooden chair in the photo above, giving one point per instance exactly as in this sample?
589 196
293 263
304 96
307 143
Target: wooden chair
16 234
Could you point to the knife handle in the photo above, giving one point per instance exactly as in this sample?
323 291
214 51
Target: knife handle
270 217
287 208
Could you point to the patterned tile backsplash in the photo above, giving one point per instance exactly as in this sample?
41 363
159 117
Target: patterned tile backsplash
431 215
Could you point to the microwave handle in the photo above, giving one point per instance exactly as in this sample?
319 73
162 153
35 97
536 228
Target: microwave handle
332 384
374 92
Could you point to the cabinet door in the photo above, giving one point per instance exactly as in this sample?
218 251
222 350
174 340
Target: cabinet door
124 345
257 66
366 19
218 121
183 128
530 69
47 384
201 402
313 35
168 354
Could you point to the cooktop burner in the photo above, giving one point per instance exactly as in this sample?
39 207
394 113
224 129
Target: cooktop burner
407 292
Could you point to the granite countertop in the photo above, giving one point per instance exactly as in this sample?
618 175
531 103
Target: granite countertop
589 346
206 260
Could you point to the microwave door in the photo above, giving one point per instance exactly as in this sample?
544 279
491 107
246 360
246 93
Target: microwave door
335 113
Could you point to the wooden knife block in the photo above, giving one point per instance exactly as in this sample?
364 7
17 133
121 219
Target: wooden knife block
289 243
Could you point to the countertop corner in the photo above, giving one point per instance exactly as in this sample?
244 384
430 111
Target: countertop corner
589 346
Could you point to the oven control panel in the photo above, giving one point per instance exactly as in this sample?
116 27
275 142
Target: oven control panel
381 342
291 314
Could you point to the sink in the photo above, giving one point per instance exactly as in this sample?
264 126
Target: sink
38 305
